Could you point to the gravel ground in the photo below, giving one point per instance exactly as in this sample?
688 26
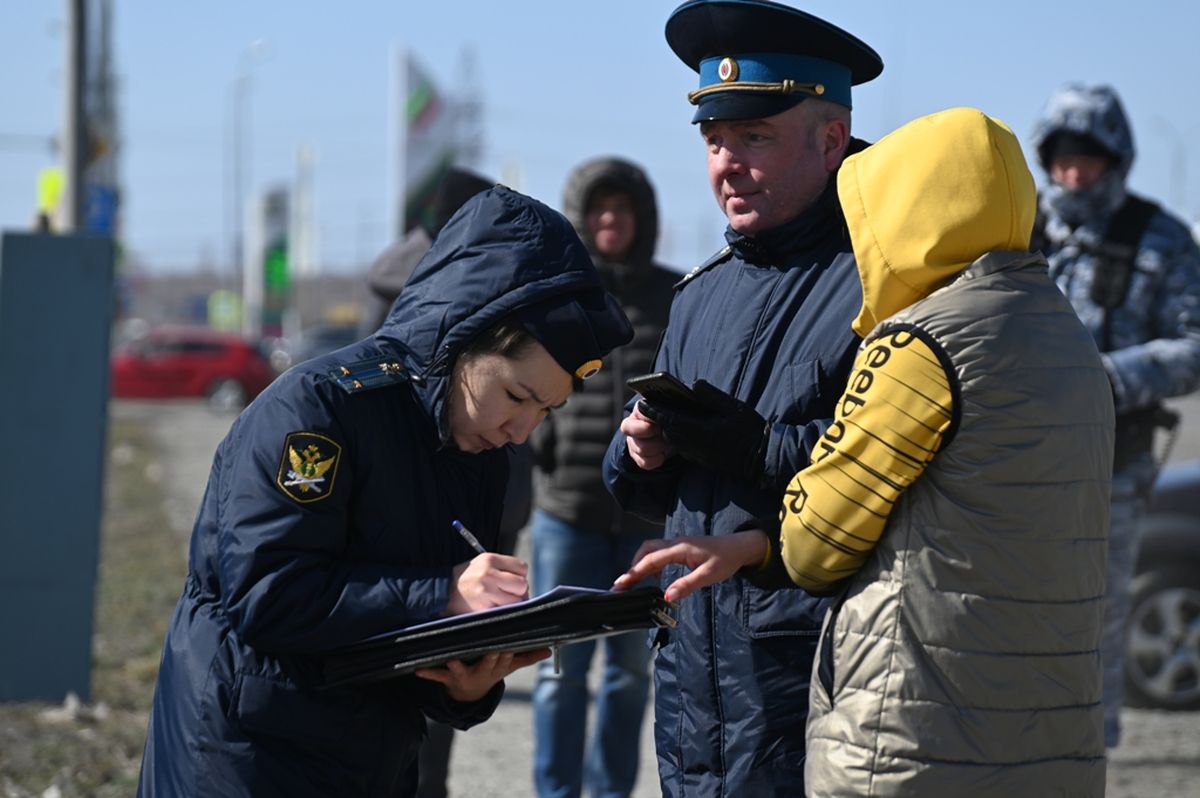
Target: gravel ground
1160 755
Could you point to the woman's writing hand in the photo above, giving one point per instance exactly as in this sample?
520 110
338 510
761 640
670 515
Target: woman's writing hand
489 580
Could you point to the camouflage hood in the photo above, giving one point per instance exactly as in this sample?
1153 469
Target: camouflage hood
1093 111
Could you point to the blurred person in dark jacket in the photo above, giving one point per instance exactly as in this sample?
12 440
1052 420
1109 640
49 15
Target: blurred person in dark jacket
327 519
580 536
391 269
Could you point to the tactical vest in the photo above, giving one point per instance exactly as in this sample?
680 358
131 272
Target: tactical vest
1115 258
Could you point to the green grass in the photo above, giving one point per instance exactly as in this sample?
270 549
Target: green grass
141 571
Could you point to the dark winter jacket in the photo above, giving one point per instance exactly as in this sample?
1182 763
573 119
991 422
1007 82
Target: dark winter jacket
769 322
327 520
570 445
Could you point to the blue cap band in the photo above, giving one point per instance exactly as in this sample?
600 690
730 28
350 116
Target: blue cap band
778 67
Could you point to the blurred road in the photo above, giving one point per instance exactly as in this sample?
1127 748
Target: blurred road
1160 755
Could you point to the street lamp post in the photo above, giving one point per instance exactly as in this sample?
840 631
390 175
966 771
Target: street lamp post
238 138
74 135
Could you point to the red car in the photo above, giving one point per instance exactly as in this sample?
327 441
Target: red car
177 361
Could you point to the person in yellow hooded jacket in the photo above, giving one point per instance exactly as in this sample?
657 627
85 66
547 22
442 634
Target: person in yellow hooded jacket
957 507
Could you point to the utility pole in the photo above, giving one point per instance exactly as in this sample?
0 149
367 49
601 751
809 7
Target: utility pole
303 236
469 106
237 191
102 198
396 169
240 144
74 134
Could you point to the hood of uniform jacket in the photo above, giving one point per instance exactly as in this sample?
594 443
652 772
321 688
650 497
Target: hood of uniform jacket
500 252
1090 111
924 202
629 178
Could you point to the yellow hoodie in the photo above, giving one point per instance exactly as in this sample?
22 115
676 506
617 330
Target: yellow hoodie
927 200
921 204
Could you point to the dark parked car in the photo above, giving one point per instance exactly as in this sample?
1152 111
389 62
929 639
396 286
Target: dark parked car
323 338
1162 660
283 353
182 361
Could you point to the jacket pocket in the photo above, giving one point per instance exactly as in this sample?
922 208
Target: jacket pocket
338 726
801 397
342 736
279 708
780 613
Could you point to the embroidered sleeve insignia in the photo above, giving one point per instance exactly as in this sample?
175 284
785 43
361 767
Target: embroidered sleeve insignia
308 466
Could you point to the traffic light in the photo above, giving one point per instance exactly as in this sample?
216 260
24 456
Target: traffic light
275 267
276 277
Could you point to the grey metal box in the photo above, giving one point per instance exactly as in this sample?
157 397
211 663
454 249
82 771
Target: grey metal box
55 314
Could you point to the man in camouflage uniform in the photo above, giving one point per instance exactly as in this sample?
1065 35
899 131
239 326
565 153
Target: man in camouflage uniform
1140 298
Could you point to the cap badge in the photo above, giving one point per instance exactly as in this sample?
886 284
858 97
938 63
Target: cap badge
727 70
588 369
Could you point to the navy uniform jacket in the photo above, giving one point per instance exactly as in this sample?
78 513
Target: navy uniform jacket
326 520
770 324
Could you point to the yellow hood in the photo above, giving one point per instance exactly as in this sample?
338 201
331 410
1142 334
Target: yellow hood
927 200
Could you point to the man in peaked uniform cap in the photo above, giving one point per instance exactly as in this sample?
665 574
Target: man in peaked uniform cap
757 58
762 333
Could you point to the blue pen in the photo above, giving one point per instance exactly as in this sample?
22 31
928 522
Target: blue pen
467 536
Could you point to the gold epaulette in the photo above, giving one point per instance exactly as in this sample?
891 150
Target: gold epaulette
363 375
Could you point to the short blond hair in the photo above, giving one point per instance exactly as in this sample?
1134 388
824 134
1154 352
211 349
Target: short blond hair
818 112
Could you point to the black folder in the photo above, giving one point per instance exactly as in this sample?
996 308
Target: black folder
563 615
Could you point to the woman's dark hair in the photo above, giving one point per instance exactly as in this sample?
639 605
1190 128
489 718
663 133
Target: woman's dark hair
507 338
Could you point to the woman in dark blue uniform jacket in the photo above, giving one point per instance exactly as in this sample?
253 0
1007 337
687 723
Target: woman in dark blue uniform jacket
327 519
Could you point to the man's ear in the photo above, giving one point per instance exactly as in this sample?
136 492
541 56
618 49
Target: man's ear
834 140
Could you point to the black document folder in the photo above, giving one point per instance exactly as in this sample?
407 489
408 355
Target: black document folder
563 615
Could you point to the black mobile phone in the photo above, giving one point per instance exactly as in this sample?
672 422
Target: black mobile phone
663 388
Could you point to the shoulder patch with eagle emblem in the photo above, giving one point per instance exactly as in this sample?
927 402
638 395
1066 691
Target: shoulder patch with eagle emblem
308 466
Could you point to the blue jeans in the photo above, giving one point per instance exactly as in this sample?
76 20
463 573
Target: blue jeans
567 555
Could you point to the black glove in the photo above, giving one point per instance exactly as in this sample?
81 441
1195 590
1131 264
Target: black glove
726 435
